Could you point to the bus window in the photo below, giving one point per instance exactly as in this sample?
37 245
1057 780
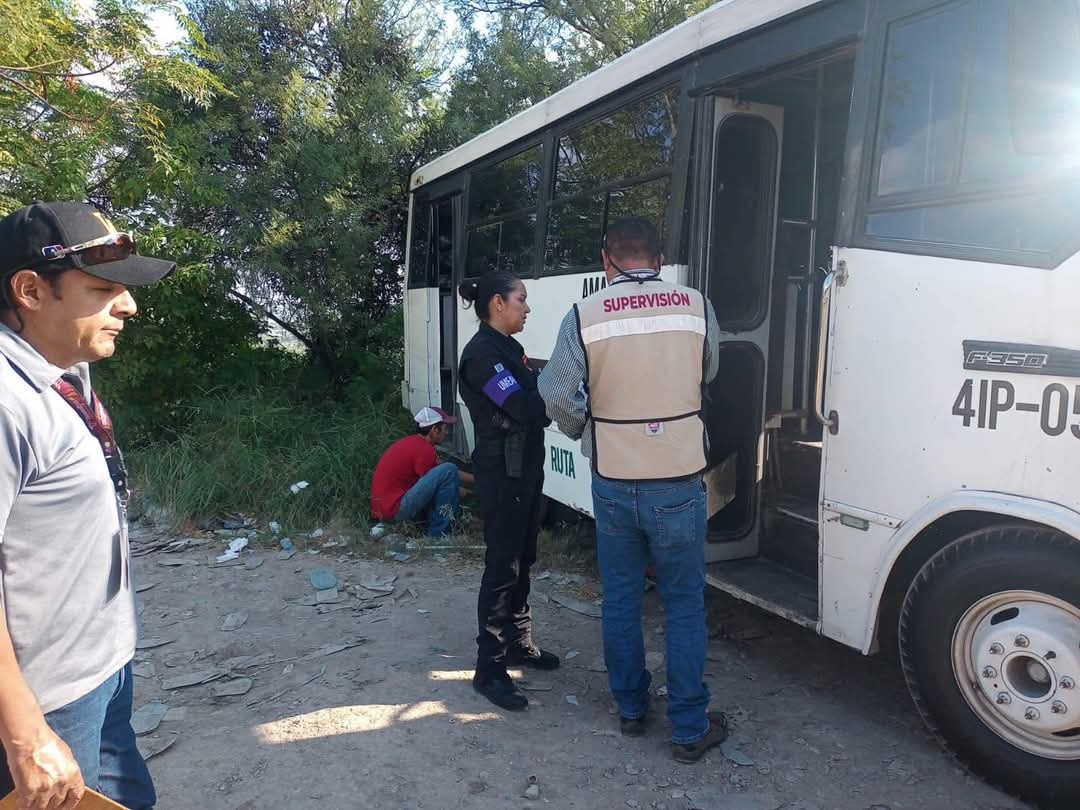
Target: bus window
574 230
1025 91
643 200
634 141
508 244
955 165
923 101
418 248
745 160
1044 86
1029 223
503 200
444 242
509 185
617 166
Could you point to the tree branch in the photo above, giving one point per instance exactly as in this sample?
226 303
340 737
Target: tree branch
37 70
34 68
53 107
239 296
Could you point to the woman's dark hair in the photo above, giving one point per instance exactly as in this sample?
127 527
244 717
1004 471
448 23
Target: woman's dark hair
480 291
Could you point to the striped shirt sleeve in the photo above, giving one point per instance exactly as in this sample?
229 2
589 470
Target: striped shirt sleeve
562 382
712 343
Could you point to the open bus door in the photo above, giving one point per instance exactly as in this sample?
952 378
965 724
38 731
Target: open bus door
421 301
430 306
739 233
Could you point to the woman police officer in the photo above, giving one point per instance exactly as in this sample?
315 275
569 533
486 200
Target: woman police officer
499 389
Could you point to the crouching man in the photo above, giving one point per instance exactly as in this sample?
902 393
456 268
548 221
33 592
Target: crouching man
410 484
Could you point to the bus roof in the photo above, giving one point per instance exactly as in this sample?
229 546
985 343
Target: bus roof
726 19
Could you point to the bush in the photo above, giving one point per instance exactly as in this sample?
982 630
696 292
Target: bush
187 338
241 451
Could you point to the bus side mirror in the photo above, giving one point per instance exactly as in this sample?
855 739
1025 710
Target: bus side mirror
1044 76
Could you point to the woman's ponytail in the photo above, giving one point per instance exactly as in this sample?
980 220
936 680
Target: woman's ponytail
479 292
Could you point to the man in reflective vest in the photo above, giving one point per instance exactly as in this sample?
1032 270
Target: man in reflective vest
626 376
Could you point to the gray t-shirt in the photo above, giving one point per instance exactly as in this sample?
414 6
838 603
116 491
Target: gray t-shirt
65 584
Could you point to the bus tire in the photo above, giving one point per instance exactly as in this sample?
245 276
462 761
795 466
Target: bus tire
989 640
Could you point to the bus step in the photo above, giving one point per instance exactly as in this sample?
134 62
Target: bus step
769 586
799 511
790 536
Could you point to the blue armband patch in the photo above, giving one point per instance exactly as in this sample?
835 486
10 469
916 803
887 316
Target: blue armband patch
499 388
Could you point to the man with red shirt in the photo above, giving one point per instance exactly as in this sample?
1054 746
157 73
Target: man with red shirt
409 482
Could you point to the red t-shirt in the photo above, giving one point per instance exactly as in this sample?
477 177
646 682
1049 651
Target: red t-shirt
403 464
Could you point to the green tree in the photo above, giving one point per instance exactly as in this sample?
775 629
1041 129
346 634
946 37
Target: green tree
74 93
301 171
81 118
594 32
510 66
188 339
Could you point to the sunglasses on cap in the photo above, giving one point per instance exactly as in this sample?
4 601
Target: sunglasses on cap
112 247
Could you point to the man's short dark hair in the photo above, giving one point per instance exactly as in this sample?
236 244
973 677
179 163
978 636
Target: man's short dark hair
632 238
424 431
51 275
7 296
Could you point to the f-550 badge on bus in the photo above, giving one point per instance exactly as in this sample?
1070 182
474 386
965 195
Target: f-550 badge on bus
981 358
1021 358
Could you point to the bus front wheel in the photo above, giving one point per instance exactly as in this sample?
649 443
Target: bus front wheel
990 648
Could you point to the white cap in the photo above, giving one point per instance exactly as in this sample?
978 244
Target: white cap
430 415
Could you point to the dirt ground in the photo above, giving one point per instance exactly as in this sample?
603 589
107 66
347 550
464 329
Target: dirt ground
392 722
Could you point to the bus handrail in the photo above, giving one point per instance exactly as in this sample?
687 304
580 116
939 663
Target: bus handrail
832 421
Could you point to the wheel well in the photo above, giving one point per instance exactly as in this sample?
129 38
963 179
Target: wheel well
922 547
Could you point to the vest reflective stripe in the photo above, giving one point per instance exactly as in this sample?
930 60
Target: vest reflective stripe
644 346
642 326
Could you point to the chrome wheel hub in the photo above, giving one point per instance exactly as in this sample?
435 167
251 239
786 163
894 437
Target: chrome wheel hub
1016 657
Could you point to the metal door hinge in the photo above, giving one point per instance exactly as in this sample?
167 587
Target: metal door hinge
841 273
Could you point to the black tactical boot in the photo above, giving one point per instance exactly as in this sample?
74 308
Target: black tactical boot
527 654
501 690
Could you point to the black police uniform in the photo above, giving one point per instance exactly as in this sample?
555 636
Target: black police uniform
508 415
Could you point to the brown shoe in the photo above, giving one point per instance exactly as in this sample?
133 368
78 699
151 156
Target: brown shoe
690 753
636 727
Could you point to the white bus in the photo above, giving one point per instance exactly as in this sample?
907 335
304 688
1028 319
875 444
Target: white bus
881 198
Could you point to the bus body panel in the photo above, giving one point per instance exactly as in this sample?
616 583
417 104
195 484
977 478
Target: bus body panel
916 427
1008 507
421 348
567 472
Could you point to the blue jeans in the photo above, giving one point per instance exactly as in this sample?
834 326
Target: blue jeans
436 493
97 729
664 521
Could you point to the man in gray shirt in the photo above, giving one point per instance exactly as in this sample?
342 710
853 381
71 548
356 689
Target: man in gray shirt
626 376
68 631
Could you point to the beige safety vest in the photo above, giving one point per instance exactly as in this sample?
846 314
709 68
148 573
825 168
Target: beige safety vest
644 347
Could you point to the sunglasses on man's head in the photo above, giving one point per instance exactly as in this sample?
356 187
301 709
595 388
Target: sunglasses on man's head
112 247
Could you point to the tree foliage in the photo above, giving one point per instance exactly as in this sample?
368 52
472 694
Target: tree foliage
75 97
269 153
189 338
508 67
595 32
301 171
